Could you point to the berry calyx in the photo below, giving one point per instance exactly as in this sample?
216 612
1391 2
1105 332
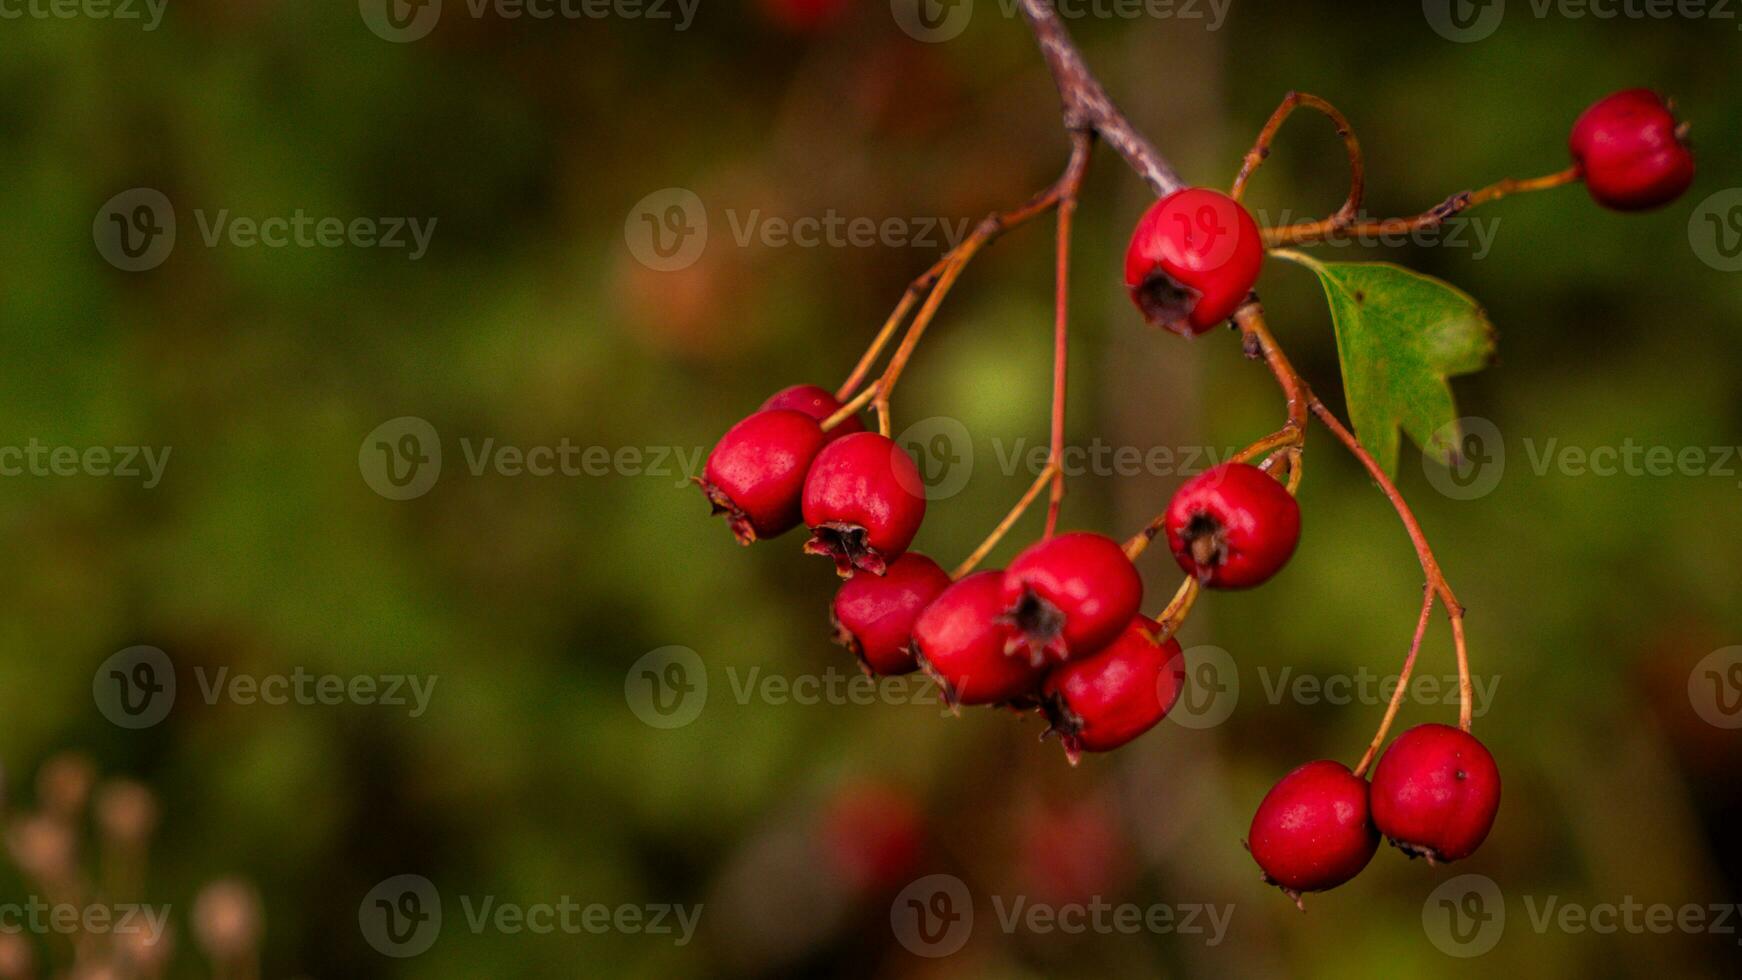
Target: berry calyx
1232 526
1313 832
1069 596
817 402
1101 702
863 502
1193 259
1435 793
959 641
874 615
1632 152
756 472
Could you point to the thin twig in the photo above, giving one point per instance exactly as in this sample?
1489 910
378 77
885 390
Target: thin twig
1260 151
1427 608
985 548
1328 229
1071 185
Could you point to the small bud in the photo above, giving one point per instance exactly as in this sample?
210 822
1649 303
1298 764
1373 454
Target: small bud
227 920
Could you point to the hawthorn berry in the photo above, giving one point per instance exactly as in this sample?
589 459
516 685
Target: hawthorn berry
873 835
959 641
1632 152
863 502
817 402
1100 702
874 614
1312 832
1069 596
1232 526
1435 793
756 472
1193 260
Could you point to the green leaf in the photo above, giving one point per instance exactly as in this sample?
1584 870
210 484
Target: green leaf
1400 336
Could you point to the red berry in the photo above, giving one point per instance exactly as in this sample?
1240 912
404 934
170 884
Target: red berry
1099 703
1435 793
804 16
1631 151
873 835
1312 832
756 473
874 615
959 641
819 404
1232 526
1193 260
1069 596
863 502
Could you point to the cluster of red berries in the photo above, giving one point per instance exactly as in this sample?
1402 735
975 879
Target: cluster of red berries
1059 629
1434 795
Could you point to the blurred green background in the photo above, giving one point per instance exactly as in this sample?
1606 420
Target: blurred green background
534 146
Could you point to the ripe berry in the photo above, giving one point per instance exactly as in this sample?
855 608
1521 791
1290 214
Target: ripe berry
818 403
756 473
863 502
959 641
873 835
1193 260
1069 596
1099 703
1435 792
1312 832
1632 152
1232 526
874 615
